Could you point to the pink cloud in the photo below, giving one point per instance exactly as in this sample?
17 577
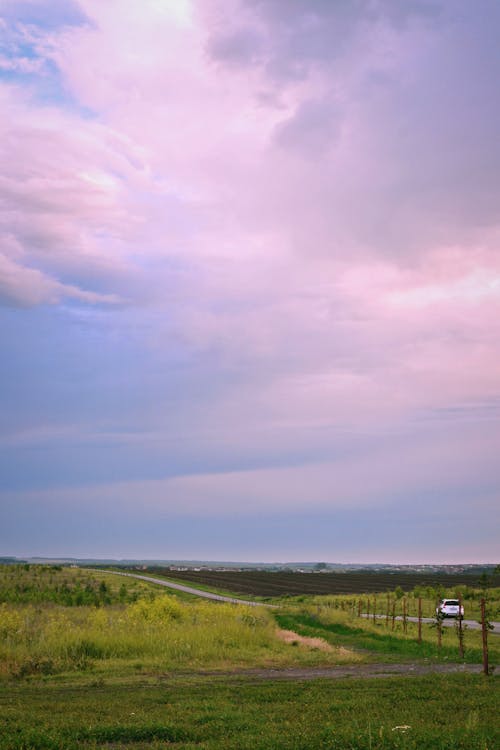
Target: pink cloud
332 243
28 287
64 187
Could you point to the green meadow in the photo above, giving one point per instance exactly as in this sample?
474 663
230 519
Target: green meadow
437 712
88 660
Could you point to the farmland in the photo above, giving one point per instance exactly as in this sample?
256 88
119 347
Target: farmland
138 668
271 584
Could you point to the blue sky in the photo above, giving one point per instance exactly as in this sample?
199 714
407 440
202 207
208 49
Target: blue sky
249 280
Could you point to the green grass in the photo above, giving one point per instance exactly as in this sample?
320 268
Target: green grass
441 713
359 633
140 668
149 635
69 587
147 588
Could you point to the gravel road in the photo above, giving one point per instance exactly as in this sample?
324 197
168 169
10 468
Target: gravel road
448 623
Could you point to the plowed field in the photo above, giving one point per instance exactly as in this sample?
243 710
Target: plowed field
271 584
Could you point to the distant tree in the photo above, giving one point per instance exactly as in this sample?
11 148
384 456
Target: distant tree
320 566
484 581
123 593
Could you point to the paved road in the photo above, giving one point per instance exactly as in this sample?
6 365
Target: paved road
189 590
448 623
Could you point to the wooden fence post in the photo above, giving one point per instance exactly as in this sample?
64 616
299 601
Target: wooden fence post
460 630
484 629
420 619
439 625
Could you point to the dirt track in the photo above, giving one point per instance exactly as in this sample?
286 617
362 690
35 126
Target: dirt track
356 671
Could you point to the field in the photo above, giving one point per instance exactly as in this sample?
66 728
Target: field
138 668
153 632
271 584
209 714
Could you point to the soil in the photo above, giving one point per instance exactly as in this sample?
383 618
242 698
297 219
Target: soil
357 671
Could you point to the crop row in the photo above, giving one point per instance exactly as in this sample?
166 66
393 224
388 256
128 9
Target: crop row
271 584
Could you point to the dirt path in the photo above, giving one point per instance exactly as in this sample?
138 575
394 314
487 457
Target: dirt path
355 671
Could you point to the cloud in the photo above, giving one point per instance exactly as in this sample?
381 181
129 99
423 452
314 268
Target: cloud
415 163
44 13
64 220
20 64
242 46
267 241
312 130
375 476
27 287
295 38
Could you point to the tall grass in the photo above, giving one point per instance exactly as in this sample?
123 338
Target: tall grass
163 633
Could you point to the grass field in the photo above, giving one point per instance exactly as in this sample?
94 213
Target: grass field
432 713
139 668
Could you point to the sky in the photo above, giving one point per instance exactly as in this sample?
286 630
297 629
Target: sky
250 279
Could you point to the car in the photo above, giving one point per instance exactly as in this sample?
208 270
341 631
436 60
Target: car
449 608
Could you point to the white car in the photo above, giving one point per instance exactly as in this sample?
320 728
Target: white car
449 608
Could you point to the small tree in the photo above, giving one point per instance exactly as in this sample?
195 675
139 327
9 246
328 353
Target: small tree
321 566
399 592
